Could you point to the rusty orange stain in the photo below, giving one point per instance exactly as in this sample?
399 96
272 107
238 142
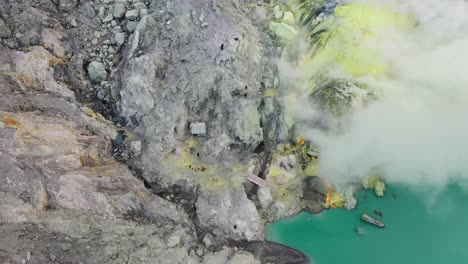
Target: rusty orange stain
11 122
300 141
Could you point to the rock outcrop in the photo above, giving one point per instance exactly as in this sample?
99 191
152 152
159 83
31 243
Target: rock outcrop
64 197
229 214
128 129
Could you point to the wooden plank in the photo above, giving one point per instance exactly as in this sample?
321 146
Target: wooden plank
257 180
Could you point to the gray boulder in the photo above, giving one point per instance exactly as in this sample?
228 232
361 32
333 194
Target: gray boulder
119 10
132 14
230 214
119 38
97 72
67 5
131 26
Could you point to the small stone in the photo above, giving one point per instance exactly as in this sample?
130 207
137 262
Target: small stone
276 82
131 26
108 18
96 71
173 241
119 38
201 18
276 8
106 42
200 251
116 29
10 43
97 34
65 246
101 12
277 13
119 10
52 257
88 11
111 50
143 12
135 147
198 129
204 24
288 18
67 5
95 41
139 6
208 240
5 31
73 23
28 255
132 14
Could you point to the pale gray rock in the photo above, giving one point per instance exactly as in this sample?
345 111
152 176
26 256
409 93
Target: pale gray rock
139 5
97 72
67 5
173 241
119 10
221 256
132 14
264 197
131 26
208 240
108 18
88 11
119 38
135 147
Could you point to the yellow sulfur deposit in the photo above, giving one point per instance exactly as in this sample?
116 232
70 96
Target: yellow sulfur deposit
375 183
334 199
350 40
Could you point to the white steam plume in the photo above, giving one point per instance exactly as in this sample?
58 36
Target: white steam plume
417 132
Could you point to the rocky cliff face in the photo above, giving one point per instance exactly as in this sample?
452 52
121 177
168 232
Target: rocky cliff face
128 128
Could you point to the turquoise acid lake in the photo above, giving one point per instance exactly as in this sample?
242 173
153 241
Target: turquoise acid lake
421 227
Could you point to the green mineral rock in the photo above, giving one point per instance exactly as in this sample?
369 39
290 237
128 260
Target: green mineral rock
277 13
288 18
